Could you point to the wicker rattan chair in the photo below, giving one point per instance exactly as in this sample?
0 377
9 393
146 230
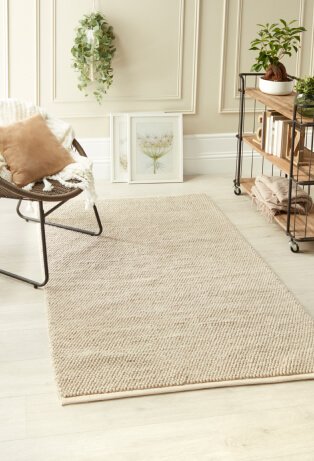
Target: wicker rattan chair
59 194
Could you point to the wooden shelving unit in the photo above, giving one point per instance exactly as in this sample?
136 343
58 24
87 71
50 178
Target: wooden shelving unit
298 227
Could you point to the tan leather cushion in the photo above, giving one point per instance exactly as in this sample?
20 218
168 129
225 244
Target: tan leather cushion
32 151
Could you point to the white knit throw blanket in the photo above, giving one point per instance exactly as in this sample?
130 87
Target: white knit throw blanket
13 110
270 193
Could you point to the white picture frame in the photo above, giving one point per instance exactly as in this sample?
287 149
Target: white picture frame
119 147
155 147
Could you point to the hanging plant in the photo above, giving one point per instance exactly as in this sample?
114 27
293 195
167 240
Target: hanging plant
92 52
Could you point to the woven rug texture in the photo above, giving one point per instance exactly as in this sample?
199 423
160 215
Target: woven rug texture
171 297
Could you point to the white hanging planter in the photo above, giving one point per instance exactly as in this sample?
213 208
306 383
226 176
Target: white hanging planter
90 37
276 88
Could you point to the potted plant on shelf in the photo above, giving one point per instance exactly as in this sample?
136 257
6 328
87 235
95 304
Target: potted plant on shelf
275 41
305 96
93 52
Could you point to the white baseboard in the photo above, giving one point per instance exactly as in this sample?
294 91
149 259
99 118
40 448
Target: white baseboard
98 150
202 153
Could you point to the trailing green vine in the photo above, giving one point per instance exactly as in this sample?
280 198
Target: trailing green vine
93 52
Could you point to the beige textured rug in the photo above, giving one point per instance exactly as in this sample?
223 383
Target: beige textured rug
171 297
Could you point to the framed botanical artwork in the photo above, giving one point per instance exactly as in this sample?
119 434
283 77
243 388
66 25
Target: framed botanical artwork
119 147
155 148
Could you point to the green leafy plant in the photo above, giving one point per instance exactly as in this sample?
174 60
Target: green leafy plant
273 43
93 52
305 85
305 96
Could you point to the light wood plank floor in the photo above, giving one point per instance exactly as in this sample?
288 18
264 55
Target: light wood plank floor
254 423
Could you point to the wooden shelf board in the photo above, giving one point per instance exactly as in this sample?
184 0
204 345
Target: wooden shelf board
282 104
247 184
300 174
298 222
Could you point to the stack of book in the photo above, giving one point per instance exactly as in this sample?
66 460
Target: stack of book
274 133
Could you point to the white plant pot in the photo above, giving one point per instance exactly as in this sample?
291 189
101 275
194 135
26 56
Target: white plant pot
277 88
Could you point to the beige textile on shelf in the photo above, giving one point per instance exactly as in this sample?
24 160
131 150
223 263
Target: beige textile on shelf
270 193
170 298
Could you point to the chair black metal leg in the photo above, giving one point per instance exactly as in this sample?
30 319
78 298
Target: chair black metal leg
43 223
41 220
44 244
75 229
98 221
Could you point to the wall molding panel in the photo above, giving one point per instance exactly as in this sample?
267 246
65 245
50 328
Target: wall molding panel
181 98
311 66
177 95
300 53
192 109
37 59
4 52
20 49
238 44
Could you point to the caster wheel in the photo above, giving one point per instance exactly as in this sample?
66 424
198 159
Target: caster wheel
294 247
237 190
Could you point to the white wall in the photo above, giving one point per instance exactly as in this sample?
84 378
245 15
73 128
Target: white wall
174 55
